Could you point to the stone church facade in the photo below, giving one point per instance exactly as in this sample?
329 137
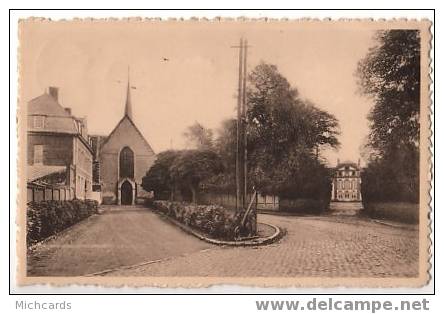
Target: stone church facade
121 160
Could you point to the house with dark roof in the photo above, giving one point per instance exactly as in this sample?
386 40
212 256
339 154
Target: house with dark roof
58 145
122 159
346 182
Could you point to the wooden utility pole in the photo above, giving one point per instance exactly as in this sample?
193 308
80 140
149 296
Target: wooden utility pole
239 202
243 205
244 124
241 132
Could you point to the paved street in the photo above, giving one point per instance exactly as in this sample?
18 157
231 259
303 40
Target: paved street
313 246
345 208
120 236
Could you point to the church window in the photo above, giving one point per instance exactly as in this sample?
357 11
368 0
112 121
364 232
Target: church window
126 163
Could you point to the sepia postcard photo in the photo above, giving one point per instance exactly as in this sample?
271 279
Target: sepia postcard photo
258 152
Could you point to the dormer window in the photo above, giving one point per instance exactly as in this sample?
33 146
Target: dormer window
39 122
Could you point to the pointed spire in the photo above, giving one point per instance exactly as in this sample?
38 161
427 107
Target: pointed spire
128 109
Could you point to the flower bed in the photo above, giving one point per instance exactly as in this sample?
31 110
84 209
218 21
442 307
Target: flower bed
213 220
46 218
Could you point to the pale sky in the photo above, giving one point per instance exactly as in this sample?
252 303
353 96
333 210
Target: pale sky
198 83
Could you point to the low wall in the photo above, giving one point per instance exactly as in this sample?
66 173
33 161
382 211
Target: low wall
96 196
397 211
37 193
225 200
303 206
268 202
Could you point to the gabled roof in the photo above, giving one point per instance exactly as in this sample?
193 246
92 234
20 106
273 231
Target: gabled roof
46 105
135 127
57 119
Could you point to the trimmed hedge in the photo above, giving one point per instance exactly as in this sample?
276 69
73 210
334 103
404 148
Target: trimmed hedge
303 206
213 220
396 211
46 218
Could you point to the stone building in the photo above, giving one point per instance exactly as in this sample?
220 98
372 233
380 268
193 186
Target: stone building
346 182
123 158
58 146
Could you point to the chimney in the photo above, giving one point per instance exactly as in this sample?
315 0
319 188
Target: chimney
68 111
338 161
54 92
359 162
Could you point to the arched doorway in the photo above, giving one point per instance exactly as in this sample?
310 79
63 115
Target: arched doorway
126 193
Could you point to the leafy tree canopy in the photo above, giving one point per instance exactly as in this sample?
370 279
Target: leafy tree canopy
158 177
184 169
390 73
199 136
284 132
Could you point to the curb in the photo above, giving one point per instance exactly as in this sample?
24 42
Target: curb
288 214
395 225
253 242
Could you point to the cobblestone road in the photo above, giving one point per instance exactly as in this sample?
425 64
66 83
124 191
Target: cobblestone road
119 236
320 246
313 246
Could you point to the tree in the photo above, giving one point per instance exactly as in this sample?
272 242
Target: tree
390 74
278 116
199 136
181 170
192 167
158 177
284 135
324 128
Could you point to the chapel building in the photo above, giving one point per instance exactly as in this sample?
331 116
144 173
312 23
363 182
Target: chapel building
121 160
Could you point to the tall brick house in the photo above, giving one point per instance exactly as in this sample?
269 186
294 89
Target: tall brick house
58 145
123 158
346 185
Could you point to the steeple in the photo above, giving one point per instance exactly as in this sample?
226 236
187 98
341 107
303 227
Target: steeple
128 109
